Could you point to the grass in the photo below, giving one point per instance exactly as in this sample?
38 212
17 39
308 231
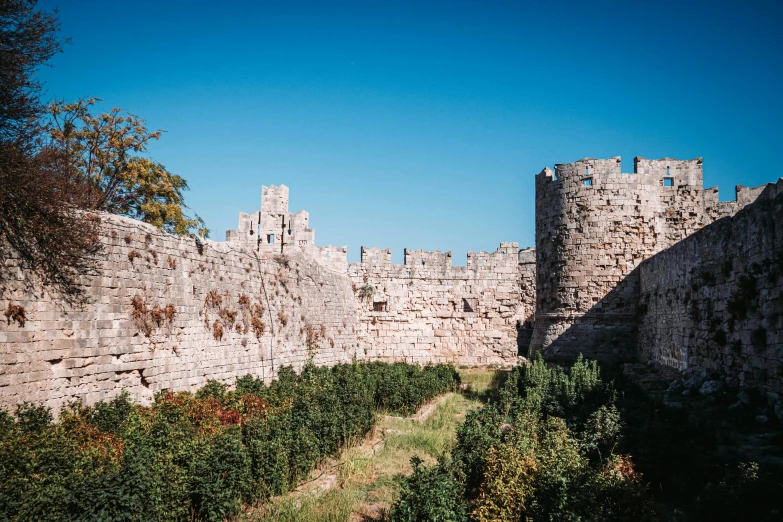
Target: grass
363 483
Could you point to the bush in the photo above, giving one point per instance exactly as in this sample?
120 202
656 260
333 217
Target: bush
197 456
430 494
544 450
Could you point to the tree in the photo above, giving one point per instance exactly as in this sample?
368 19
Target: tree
103 153
28 39
40 226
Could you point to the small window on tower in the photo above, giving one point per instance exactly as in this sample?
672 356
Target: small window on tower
667 171
270 238
588 182
668 182
380 306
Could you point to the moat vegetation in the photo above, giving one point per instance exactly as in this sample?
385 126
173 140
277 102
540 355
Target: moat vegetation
199 456
557 444
352 442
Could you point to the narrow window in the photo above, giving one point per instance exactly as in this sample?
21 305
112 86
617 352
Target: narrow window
668 182
379 306
328 255
270 238
376 259
587 171
421 260
588 182
667 171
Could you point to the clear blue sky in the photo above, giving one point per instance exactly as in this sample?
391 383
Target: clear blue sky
422 124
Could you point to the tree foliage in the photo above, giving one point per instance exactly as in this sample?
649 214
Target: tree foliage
40 228
104 153
28 39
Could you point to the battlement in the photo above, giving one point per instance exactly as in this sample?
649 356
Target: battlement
273 227
682 172
332 257
274 200
423 258
505 256
376 257
591 173
527 256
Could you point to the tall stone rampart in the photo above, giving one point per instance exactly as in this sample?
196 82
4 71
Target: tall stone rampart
166 313
594 226
428 310
715 299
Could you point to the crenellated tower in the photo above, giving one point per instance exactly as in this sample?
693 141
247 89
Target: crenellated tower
594 225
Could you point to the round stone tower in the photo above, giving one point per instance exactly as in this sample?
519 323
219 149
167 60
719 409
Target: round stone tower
594 225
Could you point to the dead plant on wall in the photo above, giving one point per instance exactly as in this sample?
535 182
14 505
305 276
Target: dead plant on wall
15 313
312 338
227 315
213 299
217 331
257 320
148 319
140 315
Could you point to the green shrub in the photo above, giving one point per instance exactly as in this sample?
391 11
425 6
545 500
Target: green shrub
430 494
197 456
545 450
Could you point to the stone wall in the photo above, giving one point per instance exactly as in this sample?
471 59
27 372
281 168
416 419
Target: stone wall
594 226
164 313
167 312
428 310
715 299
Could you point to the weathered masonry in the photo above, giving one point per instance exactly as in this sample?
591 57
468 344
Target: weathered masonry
169 312
609 245
428 310
166 312
715 299
647 266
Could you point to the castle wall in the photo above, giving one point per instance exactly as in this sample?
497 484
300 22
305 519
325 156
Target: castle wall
221 298
427 310
715 299
594 226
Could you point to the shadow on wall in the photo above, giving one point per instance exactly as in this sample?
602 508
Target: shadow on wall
524 335
607 331
713 300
